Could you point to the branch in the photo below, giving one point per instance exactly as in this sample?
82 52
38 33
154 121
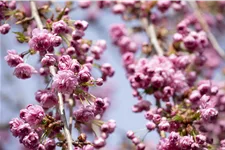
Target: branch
71 103
52 70
35 14
205 27
150 30
62 114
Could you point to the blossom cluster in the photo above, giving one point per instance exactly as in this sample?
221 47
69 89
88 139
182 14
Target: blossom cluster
66 63
26 128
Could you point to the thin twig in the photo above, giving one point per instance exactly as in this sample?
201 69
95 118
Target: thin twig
53 72
35 14
150 30
63 117
62 114
71 103
206 28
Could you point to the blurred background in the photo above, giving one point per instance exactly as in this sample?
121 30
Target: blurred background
17 94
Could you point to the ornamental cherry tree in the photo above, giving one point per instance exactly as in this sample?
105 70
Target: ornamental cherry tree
171 56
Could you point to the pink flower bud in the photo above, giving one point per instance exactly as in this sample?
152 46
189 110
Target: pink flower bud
84 3
150 126
130 134
99 143
195 96
70 50
56 41
12 5
112 125
81 25
190 43
136 141
99 82
118 8
4 29
105 128
141 146
48 60
77 34
59 27
88 147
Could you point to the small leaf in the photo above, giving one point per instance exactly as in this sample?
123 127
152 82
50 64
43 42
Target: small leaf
21 37
61 14
178 118
9 13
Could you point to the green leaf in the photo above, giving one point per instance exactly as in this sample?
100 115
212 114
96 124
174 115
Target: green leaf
178 118
21 37
61 14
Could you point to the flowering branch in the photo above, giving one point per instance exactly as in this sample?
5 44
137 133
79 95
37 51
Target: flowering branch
52 70
205 27
62 114
150 30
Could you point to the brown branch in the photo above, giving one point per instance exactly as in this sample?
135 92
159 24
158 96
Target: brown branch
206 28
150 30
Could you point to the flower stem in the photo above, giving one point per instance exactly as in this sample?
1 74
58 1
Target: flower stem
150 30
62 114
35 14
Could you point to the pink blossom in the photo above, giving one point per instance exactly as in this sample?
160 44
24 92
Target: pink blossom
4 29
59 27
34 114
65 62
84 114
41 40
64 81
24 71
14 126
46 98
31 141
13 59
48 60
